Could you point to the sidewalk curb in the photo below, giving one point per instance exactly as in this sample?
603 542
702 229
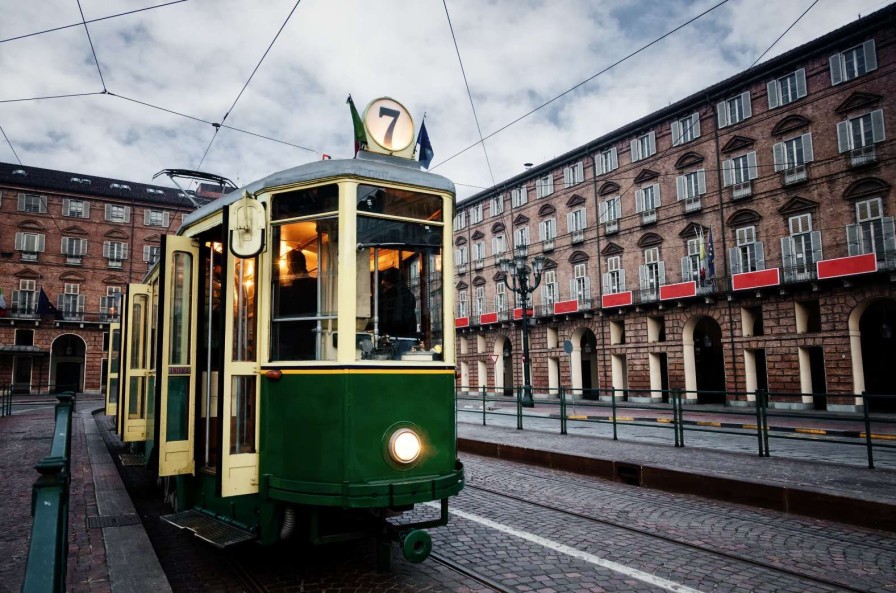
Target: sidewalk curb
801 501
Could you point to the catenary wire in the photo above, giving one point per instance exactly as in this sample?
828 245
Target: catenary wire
92 49
45 97
792 25
11 147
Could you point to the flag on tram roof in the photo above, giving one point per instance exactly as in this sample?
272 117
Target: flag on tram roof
426 152
360 134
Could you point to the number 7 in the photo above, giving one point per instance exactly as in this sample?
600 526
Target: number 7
394 114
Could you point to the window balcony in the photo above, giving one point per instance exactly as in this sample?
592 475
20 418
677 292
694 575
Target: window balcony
29 256
505 315
547 245
799 272
860 157
544 310
115 263
18 311
739 191
692 204
73 260
795 174
648 217
611 227
648 295
499 257
578 236
461 268
478 264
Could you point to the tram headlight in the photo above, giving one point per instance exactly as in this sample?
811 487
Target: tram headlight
405 445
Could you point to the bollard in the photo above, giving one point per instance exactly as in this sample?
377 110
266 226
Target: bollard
680 417
613 407
562 410
519 408
758 420
866 411
483 405
675 419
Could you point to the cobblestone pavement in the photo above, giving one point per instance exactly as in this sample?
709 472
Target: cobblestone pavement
25 438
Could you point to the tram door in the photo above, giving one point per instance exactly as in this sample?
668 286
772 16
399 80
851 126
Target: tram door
239 461
177 356
114 358
134 373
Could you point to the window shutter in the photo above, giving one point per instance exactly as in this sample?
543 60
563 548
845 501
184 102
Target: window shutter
815 242
843 137
808 153
639 200
21 206
877 126
853 237
889 229
19 240
573 293
86 213
146 217
681 187
686 273
40 243
570 222
787 256
614 161
778 152
701 182
734 260
127 214
64 244
617 208
80 303
760 255
870 55
651 143
772 89
146 253
66 207
747 105
602 211
695 125
676 133
643 277
106 247
722 114
801 90
108 211
836 69
656 195
608 283
579 172
727 172
751 164
636 155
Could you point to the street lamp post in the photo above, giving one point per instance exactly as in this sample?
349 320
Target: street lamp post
518 269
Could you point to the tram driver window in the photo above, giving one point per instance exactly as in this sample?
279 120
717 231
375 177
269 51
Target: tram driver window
304 289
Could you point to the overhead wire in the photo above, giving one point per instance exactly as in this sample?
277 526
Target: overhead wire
792 25
92 49
11 147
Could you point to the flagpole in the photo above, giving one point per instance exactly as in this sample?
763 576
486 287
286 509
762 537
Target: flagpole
422 121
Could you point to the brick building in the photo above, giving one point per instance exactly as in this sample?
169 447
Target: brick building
740 238
78 239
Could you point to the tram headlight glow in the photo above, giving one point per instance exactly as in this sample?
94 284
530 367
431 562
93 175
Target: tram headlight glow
405 445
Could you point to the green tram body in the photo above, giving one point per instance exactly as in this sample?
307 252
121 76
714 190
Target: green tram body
317 460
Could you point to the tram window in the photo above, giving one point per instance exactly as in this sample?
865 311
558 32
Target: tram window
305 202
305 290
242 415
399 202
244 309
180 340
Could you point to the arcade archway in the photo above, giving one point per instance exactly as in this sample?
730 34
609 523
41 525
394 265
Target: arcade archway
67 363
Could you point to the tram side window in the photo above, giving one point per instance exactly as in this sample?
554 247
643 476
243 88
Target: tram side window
305 290
244 317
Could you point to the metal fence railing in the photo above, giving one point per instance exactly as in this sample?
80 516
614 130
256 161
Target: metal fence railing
48 550
5 400
764 415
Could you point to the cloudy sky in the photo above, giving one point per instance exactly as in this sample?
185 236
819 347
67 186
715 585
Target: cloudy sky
171 71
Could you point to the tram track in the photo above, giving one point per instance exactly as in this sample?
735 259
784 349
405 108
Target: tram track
679 542
470 574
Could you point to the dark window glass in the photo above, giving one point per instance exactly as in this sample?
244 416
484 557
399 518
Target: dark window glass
304 202
24 337
399 202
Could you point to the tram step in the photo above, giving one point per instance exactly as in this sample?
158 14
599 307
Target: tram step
132 459
208 528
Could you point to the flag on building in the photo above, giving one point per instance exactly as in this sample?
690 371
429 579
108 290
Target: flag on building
710 257
45 307
360 134
2 304
426 152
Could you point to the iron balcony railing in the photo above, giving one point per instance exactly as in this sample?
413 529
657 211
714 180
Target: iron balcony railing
743 190
795 174
862 156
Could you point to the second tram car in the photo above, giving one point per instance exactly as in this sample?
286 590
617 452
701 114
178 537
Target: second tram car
287 368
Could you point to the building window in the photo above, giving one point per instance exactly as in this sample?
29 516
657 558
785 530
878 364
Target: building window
853 62
873 232
74 249
24 300
497 205
580 287
547 231
734 110
155 218
501 297
24 337
115 252
75 208
462 303
519 196
479 254
787 89
499 245
647 200
858 135
740 172
801 250
573 174
643 146
116 213
110 304
652 274
606 161
521 236
544 186
689 187
32 203
151 254
30 244
476 213
614 277
610 213
549 291
749 255
460 258
460 219
478 301
71 302
690 264
575 222
686 129
791 157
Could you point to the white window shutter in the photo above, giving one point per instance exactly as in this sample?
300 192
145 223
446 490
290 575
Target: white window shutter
108 211
644 277
86 213
787 254
106 247
815 242
843 138
722 113
701 182
83 246
617 208
877 126
651 143
772 89
747 105
146 253
608 283
870 55
579 171
570 222
751 164
63 245
760 255
656 195
808 152
734 260
853 241
687 274
661 273
639 200
41 240
681 187
778 153
66 206
602 212
21 206
836 69
801 89
127 214
614 160
695 125
727 172
636 155
166 218
20 239
146 217
676 133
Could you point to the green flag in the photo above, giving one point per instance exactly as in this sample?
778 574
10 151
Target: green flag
360 134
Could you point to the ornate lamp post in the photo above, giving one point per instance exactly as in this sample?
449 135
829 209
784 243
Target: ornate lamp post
518 269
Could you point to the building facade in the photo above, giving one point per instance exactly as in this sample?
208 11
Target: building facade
69 245
740 239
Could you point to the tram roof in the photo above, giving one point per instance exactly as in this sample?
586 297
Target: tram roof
367 165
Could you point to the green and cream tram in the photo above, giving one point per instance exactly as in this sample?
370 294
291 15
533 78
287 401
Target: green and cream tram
288 366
